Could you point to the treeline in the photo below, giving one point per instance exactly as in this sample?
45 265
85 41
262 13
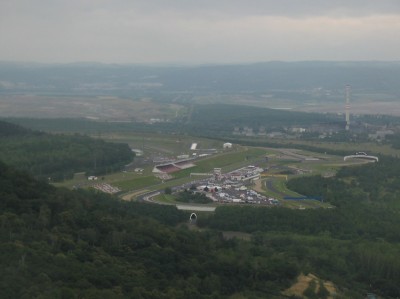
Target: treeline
9 129
374 185
211 120
86 126
59 156
220 119
345 225
189 196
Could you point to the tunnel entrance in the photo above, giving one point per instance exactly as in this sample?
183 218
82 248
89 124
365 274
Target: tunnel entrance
193 218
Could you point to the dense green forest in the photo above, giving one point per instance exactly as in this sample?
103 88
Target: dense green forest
356 243
56 243
221 119
59 156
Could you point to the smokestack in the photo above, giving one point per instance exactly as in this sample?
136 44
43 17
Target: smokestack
348 89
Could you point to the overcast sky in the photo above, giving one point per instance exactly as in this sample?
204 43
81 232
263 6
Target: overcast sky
198 31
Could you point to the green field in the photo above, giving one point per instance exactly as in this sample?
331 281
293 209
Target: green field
227 161
279 161
165 198
167 144
122 180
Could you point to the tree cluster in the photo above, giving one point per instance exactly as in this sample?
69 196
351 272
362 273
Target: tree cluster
193 197
57 243
354 244
59 156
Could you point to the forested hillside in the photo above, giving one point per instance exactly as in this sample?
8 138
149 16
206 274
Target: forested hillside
56 243
58 156
356 243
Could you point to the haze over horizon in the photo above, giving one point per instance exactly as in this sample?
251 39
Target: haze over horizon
187 32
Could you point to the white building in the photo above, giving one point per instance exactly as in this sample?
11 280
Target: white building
227 145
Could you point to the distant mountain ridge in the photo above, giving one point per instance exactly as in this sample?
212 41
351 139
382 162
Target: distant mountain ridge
97 78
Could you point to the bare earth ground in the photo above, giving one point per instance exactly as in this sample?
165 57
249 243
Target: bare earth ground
303 281
258 186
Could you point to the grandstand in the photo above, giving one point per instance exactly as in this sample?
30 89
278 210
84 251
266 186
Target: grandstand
184 164
168 168
173 167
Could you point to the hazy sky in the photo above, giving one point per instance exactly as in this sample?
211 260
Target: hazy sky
198 31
